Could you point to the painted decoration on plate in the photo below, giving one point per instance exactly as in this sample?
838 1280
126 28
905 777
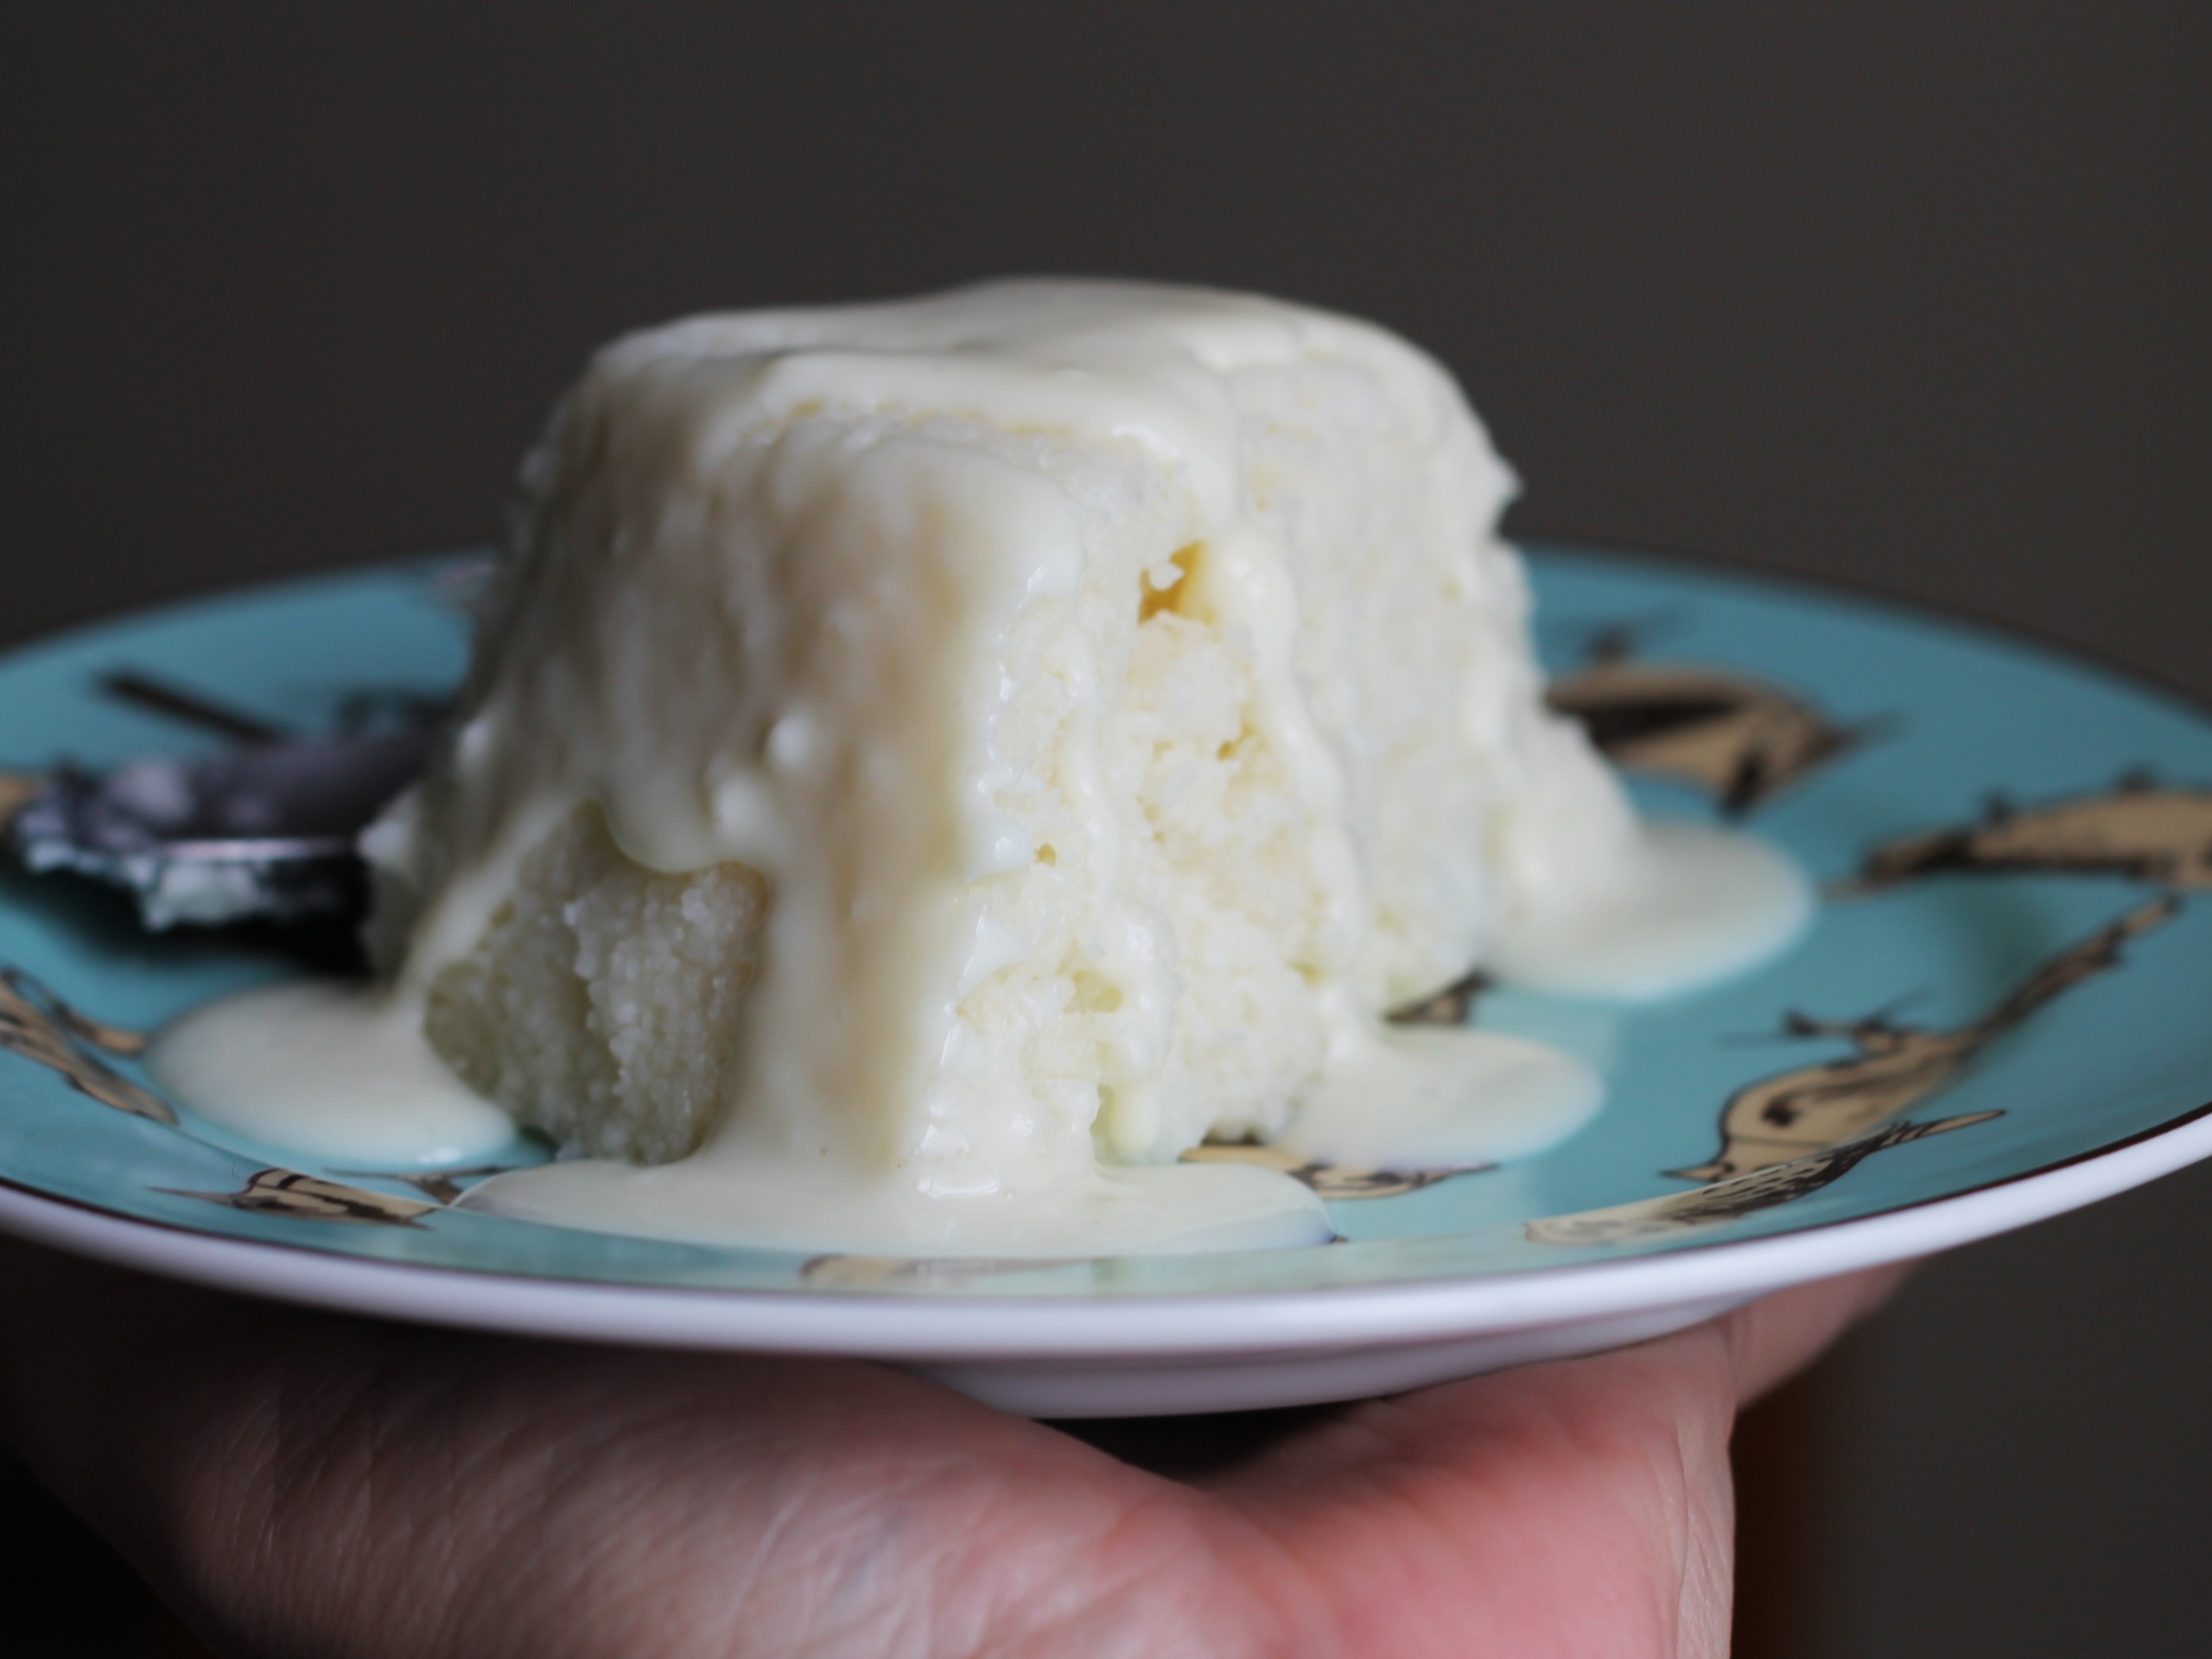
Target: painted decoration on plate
1329 1180
40 1026
1739 1196
1740 738
2139 830
1893 1067
310 1198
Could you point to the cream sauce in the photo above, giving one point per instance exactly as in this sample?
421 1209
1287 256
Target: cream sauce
346 1077
1692 905
780 1203
1438 1098
342 1074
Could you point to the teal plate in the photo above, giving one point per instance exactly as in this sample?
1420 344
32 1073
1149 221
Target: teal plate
2000 1012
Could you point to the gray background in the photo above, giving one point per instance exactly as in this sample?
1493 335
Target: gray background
1913 296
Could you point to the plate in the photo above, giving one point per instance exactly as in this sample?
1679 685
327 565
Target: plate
1999 1014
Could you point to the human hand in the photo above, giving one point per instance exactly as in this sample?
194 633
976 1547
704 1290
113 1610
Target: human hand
306 1485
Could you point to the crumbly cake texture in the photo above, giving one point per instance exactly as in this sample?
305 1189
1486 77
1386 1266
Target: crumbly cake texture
601 1002
1230 746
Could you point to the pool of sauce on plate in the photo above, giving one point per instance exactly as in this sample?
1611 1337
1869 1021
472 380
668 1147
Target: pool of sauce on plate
347 1076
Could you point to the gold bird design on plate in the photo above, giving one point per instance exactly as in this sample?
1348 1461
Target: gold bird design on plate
39 1025
1893 1067
1737 1196
1741 739
310 1198
2138 828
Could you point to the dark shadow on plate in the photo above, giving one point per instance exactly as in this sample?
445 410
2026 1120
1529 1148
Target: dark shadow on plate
105 919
